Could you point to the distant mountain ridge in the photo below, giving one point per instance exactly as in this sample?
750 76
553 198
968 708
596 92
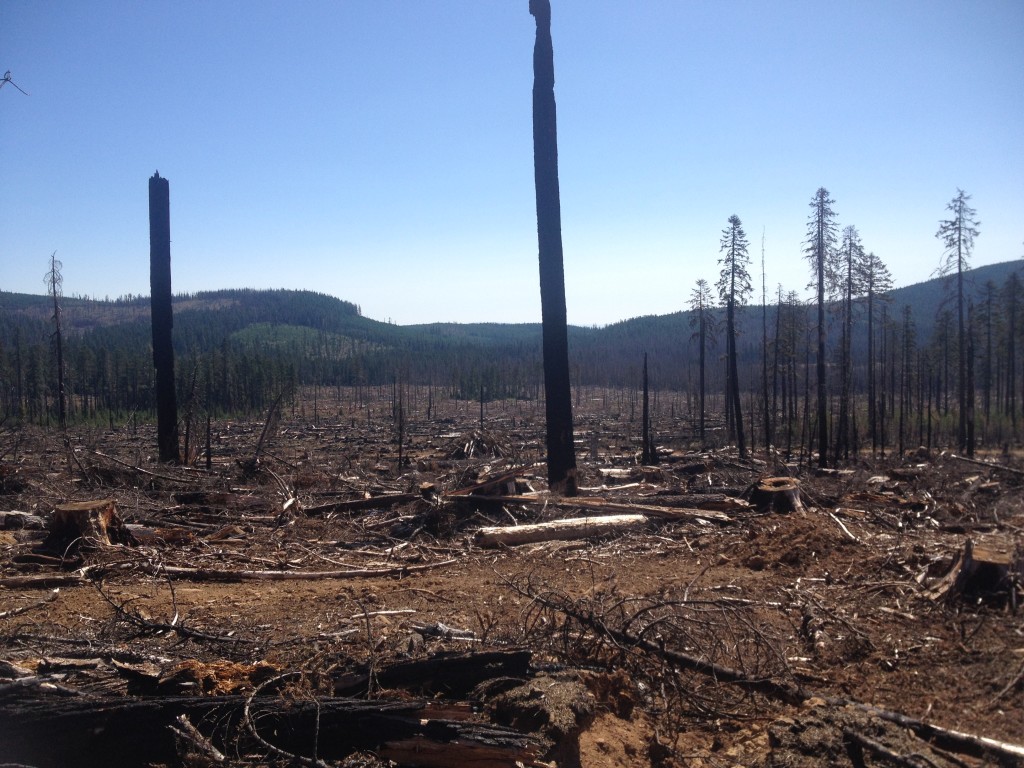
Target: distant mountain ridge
326 339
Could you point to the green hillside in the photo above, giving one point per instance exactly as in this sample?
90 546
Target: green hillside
240 347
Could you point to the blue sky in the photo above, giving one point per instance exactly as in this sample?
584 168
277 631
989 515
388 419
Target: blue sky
381 150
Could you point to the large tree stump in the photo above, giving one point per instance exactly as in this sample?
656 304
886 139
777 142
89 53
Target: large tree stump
86 525
989 569
776 494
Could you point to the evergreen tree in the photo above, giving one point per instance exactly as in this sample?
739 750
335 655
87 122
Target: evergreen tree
733 289
820 252
846 285
957 234
877 282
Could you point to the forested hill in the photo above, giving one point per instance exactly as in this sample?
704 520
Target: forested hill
251 343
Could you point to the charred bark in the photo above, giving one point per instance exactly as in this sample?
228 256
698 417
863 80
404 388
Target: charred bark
162 316
561 457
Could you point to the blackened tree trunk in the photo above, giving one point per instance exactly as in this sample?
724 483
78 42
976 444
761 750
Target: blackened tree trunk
1011 295
648 455
561 457
958 234
820 246
162 316
970 396
768 413
54 280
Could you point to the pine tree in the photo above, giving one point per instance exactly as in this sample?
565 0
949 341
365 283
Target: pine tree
877 282
846 284
820 252
733 289
957 235
704 321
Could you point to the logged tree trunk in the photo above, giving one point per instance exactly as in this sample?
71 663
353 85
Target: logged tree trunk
162 316
86 524
990 568
558 530
648 454
776 494
561 456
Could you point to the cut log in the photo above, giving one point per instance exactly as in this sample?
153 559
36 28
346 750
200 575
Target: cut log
776 494
558 530
84 525
662 512
374 502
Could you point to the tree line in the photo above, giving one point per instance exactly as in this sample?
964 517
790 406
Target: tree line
817 392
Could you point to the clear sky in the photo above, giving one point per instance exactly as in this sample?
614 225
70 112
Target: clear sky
381 150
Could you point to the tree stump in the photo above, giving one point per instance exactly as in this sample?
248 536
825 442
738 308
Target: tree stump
84 525
776 494
988 569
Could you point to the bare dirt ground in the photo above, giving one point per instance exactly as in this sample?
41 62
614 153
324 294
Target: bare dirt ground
328 606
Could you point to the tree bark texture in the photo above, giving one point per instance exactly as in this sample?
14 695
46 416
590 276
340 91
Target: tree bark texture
162 316
561 456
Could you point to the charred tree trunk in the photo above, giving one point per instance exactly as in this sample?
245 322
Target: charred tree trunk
970 395
54 280
162 316
648 455
561 456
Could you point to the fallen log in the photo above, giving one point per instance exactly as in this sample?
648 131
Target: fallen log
83 575
354 505
716 501
557 530
650 510
86 732
504 481
596 504
213 574
1001 467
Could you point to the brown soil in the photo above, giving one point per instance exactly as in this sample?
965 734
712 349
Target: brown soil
842 606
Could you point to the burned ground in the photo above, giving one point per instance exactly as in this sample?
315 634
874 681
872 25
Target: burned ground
325 605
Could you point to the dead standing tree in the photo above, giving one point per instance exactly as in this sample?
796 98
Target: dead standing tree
561 456
54 281
162 316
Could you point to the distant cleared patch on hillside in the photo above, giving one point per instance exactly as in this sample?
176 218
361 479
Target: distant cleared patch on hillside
324 345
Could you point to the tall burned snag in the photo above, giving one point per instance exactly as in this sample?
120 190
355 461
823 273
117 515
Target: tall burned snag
561 458
733 289
957 235
162 316
820 250
54 282
704 322
648 455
